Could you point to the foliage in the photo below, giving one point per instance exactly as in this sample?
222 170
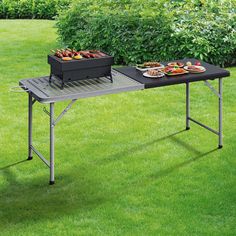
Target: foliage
27 9
137 30
208 31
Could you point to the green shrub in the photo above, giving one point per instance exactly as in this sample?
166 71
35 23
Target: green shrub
122 28
11 8
207 31
44 9
2 10
137 30
25 9
28 9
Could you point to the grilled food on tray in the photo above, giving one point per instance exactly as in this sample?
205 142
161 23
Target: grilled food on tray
169 70
176 63
64 54
66 58
195 69
153 72
151 64
77 57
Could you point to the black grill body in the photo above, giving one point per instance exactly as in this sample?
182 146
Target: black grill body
86 68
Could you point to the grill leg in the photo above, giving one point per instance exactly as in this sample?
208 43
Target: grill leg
30 126
62 84
50 77
187 106
220 113
51 144
111 78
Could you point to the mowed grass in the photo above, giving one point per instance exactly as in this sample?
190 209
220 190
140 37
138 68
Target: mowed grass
124 163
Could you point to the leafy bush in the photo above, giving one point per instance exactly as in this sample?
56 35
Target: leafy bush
207 31
2 10
25 9
28 9
44 9
136 30
122 28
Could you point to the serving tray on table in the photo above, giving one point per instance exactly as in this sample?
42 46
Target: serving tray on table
212 72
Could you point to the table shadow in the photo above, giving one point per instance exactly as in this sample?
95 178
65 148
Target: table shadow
32 199
127 152
167 171
12 164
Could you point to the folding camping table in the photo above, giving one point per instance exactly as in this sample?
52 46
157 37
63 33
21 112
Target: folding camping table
124 79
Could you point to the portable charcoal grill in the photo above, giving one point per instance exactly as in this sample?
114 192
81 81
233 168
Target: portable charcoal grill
85 68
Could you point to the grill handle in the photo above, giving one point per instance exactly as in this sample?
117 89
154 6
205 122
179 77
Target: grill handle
18 89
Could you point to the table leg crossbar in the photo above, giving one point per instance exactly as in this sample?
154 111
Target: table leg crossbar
204 126
53 122
220 97
40 156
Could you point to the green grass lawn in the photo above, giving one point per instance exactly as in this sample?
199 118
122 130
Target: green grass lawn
124 164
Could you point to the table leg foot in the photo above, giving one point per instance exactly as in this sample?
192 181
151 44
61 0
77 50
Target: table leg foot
51 182
30 158
187 128
220 146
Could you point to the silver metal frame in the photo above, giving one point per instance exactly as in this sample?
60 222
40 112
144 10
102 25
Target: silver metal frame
187 106
30 127
219 94
52 143
52 124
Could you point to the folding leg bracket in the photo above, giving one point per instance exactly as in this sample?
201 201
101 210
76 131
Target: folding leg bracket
62 113
212 89
46 111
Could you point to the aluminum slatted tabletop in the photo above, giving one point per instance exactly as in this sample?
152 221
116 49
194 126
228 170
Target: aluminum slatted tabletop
124 79
46 92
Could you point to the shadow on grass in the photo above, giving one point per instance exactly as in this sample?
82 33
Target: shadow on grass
31 199
187 146
146 180
162 173
119 155
13 164
169 170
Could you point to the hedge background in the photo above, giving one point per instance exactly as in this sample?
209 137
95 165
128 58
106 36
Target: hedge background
139 30
30 9
136 30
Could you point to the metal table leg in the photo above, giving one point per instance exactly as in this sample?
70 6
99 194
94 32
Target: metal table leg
187 106
51 144
219 94
30 127
220 113
53 122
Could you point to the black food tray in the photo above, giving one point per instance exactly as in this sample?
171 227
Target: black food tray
212 72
